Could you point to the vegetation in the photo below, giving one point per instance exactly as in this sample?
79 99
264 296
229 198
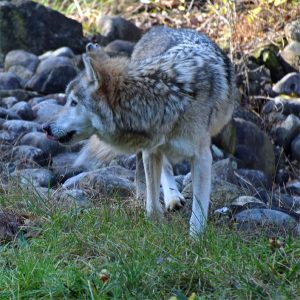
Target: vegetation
112 251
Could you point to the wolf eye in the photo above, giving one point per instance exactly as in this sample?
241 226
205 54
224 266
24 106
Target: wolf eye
73 103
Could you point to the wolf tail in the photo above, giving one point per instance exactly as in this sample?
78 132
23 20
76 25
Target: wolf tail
95 154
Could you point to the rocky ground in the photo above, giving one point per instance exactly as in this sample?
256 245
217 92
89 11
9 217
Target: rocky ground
256 174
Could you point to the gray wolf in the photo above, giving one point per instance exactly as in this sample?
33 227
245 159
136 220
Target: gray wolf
166 102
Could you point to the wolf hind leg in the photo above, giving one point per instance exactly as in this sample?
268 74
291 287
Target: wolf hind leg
140 180
201 180
172 197
152 165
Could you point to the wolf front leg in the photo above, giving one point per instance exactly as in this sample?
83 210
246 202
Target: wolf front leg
152 165
201 179
172 197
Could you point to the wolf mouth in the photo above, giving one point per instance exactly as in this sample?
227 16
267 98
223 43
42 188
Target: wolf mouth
66 138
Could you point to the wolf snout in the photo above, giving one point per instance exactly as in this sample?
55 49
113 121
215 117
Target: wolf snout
47 129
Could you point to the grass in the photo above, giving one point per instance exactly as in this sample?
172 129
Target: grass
111 251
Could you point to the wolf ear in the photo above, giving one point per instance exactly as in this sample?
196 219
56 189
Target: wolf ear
89 68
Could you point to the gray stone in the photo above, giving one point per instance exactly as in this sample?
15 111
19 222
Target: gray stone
39 140
36 177
63 166
30 154
52 75
22 73
117 28
119 48
224 169
60 52
8 102
9 81
285 132
7 137
251 179
73 197
222 193
21 95
254 149
45 110
22 58
97 183
23 110
20 126
24 21
7 114
291 56
293 187
292 30
295 148
252 218
289 84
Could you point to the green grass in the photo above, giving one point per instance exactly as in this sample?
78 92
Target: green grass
143 260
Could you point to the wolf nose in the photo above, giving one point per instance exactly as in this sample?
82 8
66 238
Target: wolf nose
47 129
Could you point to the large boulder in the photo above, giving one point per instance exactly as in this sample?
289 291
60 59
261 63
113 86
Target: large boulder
35 28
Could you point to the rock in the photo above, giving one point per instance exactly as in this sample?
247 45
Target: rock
7 137
125 161
285 132
62 166
24 21
39 140
278 200
245 202
293 187
21 58
9 81
252 179
224 169
182 168
289 84
19 126
29 154
295 148
8 102
73 197
45 110
21 95
23 110
251 218
222 193
52 75
99 183
282 176
292 30
116 28
60 52
36 177
22 73
267 56
284 106
119 48
291 57
22 63
254 149
7 114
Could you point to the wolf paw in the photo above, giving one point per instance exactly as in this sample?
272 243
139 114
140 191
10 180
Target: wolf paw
175 201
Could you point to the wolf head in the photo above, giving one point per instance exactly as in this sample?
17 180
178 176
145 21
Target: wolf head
86 111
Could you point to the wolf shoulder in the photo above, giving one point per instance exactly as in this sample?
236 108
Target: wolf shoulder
160 39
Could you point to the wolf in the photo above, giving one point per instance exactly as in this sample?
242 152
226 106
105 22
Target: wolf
166 102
